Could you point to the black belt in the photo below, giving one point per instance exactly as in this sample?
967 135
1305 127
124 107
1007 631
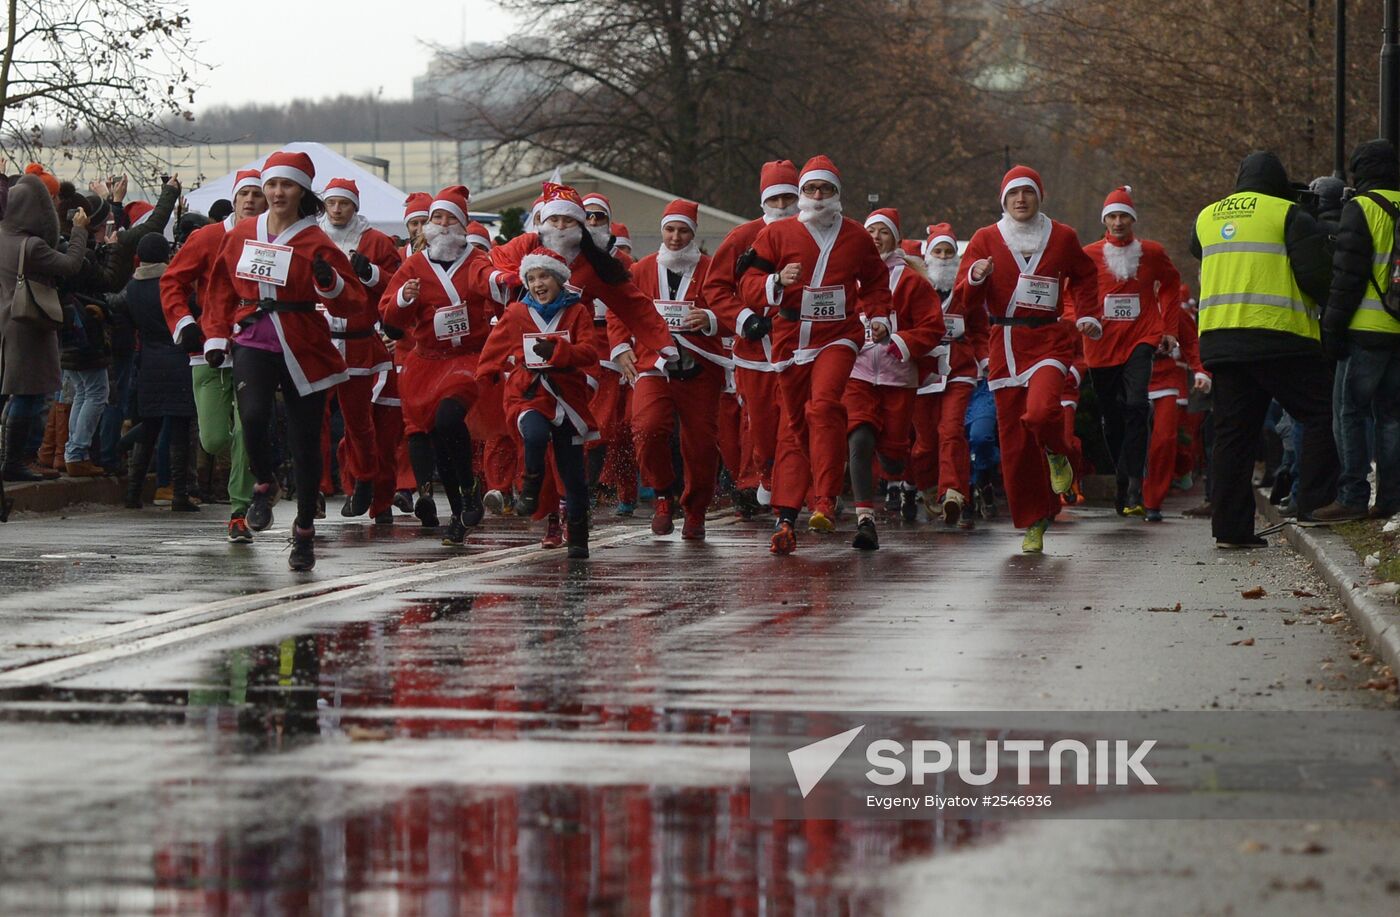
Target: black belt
792 315
352 335
277 305
1026 321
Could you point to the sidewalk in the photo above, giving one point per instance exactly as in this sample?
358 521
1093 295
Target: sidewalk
60 493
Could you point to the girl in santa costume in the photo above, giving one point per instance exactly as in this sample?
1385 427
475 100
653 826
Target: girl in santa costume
543 347
814 278
687 387
270 274
1174 376
880 392
1020 267
443 297
755 374
941 457
1139 286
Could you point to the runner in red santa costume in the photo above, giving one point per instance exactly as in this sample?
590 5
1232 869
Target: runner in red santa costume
1019 267
622 239
499 458
687 387
815 277
375 258
443 297
415 215
755 375
942 463
1069 400
264 287
543 347
880 393
183 287
1174 376
1139 287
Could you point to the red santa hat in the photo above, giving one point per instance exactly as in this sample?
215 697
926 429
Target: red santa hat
912 247
560 200
1022 177
417 205
477 235
547 260
247 178
777 177
620 235
343 187
139 212
886 215
285 164
940 232
453 200
1119 200
600 200
681 211
820 168
44 175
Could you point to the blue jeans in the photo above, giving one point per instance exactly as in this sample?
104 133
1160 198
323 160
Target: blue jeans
89 401
1371 389
109 430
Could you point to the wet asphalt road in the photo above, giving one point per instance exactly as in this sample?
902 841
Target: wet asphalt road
187 727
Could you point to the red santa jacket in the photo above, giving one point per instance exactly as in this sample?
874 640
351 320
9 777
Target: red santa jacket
452 314
651 278
1139 288
311 357
722 294
915 324
635 310
1176 372
1059 269
842 272
186 278
561 393
365 354
963 350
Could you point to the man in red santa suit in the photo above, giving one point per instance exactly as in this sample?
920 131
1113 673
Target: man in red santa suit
499 456
815 277
375 258
1174 376
1020 267
1138 286
687 387
880 393
415 215
941 460
755 375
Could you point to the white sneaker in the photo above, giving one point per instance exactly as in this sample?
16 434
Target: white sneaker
495 502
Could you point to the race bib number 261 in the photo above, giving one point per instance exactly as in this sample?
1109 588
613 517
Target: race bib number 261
263 262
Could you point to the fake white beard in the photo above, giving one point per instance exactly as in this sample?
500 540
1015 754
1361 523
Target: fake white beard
445 243
822 214
602 235
942 273
1024 238
1122 260
345 237
772 214
565 242
679 261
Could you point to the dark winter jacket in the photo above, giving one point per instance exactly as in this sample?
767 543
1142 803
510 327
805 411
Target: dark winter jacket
164 384
1307 246
1374 167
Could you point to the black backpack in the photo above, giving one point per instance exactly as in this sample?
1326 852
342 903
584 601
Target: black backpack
1390 296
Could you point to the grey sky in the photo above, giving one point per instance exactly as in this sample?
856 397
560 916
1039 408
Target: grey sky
249 45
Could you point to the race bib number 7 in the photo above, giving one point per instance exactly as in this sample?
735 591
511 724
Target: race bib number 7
263 262
1036 293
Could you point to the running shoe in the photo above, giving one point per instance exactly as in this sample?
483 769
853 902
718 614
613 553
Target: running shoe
823 519
553 532
866 537
1034 542
238 531
661 523
784 540
1061 472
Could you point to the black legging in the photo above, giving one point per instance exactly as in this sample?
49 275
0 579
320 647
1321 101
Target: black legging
1122 393
538 434
257 375
452 443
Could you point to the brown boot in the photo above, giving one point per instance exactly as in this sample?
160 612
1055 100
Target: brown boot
58 416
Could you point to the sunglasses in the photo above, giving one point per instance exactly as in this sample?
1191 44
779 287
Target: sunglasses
596 216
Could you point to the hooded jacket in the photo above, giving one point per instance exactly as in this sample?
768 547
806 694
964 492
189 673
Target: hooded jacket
1307 246
1374 167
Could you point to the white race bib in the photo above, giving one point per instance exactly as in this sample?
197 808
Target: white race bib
451 322
1125 307
956 327
1039 294
533 360
263 262
824 304
674 312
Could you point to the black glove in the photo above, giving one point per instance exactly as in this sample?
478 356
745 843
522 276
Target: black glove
191 339
391 332
214 358
323 272
756 327
364 268
545 347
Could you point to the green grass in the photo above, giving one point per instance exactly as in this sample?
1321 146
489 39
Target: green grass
1366 537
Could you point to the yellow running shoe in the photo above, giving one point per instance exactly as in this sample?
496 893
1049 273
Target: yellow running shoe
1061 472
1034 542
1138 510
823 520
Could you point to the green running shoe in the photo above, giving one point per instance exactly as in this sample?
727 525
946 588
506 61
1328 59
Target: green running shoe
1034 542
1061 472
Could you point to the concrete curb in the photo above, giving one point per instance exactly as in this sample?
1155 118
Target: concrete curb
1339 566
60 493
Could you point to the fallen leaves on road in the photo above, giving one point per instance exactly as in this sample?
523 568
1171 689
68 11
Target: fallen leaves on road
1311 848
1337 618
1253 847
1310 884
1175 608
1304 594
1256 593
1248 641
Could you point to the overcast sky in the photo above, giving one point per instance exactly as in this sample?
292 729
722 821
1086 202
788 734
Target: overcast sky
276 50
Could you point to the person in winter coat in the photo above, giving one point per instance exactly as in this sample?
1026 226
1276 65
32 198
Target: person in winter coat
1364 337
164 384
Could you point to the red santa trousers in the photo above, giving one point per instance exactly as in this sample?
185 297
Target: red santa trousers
656 403
611 407
812 442
762 411
731 434
941 455
888 410
1031 420
388 436
356 396
1069 400
1161 451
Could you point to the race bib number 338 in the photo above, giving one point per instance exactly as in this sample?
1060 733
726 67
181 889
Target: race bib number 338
263 262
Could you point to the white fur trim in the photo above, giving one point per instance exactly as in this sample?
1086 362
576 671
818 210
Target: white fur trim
560 208
333 291
597 199
1088 322
819 175
1207 379
249 182
182 324
619 350
216 344
773 191
402 301
373 280
713 327
1118 208
451 208
296 175
546 262
929 244
775 290
474 239
972 280
621 241
678 218
346 193
903 347
881 218
1022 182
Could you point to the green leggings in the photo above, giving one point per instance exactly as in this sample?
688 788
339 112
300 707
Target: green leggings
221 432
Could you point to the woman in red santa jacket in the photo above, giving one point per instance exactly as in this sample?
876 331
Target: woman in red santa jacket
270 274
687 387
543 346
941 461
443 297
375 258
816 277
1019 270
498 456
880 393
1174 377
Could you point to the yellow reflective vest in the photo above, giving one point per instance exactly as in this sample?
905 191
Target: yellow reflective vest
1371 316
